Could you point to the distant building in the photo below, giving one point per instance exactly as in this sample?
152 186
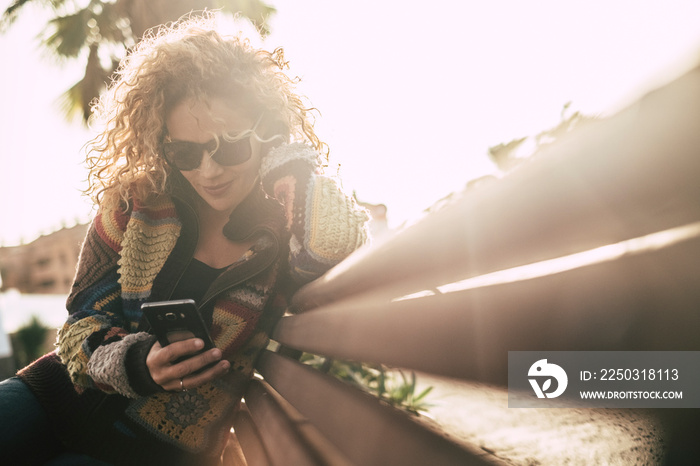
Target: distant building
35 279
44 266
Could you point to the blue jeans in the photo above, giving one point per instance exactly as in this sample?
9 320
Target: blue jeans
26 437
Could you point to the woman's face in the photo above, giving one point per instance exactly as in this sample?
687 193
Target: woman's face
221 187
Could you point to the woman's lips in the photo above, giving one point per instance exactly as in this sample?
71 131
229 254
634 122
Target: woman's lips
217 190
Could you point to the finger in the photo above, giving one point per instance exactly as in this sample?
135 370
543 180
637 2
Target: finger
179 349
198 379
193 364
160 360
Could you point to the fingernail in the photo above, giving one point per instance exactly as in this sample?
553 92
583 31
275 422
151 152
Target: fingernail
198 344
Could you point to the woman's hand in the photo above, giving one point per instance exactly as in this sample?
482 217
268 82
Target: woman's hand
180 376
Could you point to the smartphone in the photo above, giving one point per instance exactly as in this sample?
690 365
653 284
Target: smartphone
177 320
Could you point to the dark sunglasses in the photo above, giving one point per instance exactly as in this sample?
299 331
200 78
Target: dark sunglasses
185 155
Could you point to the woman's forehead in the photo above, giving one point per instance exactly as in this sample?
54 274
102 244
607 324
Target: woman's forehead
197 118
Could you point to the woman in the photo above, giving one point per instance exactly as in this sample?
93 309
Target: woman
208 185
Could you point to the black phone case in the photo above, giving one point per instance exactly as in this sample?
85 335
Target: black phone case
172 321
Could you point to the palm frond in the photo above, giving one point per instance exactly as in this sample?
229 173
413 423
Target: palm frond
10 14
67 35
77 101
70 103
12 11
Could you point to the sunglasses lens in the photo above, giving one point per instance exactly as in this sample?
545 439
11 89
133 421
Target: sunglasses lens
183 155
233 153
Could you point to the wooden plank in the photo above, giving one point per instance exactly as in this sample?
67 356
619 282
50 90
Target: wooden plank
643 300
249 438
281 440
287 435
624 177
365 430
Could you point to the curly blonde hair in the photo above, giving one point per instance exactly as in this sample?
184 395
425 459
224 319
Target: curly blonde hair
187 60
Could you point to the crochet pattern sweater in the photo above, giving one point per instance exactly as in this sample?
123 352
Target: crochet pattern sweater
96 386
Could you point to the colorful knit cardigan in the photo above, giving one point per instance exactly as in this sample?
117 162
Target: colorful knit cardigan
137 256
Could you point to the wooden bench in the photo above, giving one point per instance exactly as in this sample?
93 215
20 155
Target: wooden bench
592 245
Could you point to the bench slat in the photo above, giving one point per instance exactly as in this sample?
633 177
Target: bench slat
249 438
641 301
367 431
281 440
288 436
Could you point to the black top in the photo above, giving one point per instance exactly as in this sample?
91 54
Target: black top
195 281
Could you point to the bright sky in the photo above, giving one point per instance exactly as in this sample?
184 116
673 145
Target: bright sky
412 93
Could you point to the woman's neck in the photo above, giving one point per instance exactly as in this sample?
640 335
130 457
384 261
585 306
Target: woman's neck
211 221
213 248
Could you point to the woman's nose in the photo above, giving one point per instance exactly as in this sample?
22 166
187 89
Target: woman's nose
209 167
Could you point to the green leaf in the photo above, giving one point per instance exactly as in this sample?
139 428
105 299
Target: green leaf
423 394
